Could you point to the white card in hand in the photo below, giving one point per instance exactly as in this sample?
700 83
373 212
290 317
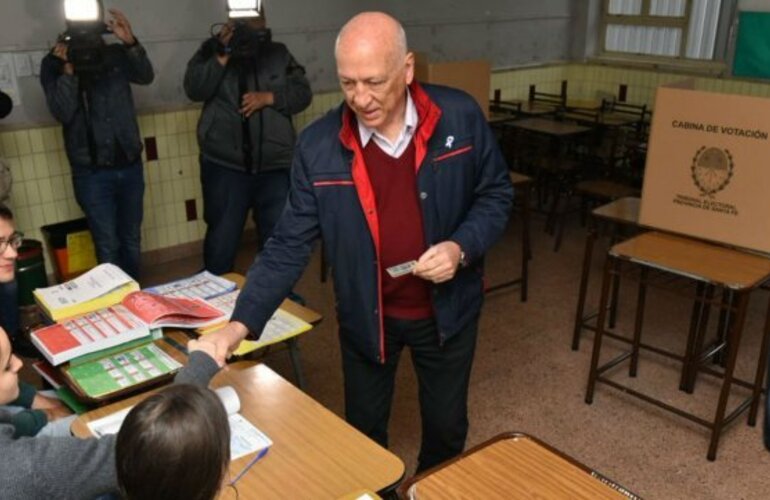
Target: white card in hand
401 269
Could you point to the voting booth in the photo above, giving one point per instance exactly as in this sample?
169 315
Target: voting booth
707 173
473 76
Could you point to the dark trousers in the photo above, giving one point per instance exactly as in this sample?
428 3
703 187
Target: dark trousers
112 199
443 373
228 195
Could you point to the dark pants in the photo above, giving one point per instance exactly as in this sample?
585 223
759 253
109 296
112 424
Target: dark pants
443 374
112 200
228 195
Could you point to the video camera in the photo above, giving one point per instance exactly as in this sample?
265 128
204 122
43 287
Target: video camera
247 40
249 31
85 27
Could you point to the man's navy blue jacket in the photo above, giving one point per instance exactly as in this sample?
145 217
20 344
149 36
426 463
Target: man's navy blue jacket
466 196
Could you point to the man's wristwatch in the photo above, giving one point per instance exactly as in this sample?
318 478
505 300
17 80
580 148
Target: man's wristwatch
463 260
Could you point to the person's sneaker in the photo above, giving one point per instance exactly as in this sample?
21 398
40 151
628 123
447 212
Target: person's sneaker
295 297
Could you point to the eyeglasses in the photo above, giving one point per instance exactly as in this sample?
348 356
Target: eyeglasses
14 241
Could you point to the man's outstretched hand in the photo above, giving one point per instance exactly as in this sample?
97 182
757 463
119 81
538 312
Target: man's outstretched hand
224 341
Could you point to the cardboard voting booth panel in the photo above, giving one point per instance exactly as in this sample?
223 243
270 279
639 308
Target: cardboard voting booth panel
707 172
474 77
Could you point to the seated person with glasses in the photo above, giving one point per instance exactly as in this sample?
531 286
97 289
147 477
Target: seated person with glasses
30 413
10 241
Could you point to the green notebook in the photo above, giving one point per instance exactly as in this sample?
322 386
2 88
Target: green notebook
122 370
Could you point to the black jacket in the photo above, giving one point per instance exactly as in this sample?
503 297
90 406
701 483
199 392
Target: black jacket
220 129
107 96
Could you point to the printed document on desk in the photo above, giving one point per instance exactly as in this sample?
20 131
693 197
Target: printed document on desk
131 319
102 286
281 326
245 438
203 285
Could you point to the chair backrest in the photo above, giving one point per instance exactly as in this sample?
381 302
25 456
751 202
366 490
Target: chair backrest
639 112
581 115
557 100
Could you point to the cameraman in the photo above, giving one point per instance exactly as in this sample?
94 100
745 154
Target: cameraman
251 86
95 105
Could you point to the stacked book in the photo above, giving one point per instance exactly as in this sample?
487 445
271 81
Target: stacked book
104 308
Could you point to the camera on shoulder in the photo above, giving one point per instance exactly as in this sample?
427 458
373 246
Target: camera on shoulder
85 27
247 20
247 40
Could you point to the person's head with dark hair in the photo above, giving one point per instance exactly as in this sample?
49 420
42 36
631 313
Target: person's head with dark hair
5 213
175 444
10 240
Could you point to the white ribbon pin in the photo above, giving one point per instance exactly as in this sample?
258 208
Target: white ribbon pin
449 140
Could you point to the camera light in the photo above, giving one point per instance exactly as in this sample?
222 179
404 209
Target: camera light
82 10
244 8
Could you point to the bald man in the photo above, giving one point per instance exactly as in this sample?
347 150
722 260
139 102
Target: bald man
407 187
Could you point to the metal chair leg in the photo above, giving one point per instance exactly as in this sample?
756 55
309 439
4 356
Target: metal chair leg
732 355
593 373
296 363
640 303
584 275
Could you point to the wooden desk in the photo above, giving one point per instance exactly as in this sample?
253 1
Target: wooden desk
549 161
585 104
512 466
549 127
535 108
315 453
710 266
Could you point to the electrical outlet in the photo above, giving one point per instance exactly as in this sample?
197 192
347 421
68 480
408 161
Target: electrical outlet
151 148
191 208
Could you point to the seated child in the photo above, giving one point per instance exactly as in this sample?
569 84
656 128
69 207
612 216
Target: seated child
68 467
21 406
181 432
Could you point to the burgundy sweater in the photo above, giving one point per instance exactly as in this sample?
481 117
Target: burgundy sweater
402 239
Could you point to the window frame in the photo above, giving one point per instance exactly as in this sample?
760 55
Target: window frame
645 19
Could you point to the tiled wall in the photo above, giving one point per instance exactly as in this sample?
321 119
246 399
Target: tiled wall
42 192
42 188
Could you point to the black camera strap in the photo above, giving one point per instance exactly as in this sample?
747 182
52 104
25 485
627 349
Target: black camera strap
243 88
249 66
85 105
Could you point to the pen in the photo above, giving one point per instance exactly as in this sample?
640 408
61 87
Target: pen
249 465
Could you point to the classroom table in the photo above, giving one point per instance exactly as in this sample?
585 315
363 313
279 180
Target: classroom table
512 466
710 266
537 108
315 453
621 214
553 169
550 128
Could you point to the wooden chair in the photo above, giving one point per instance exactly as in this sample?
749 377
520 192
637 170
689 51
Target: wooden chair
557 101
607 174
